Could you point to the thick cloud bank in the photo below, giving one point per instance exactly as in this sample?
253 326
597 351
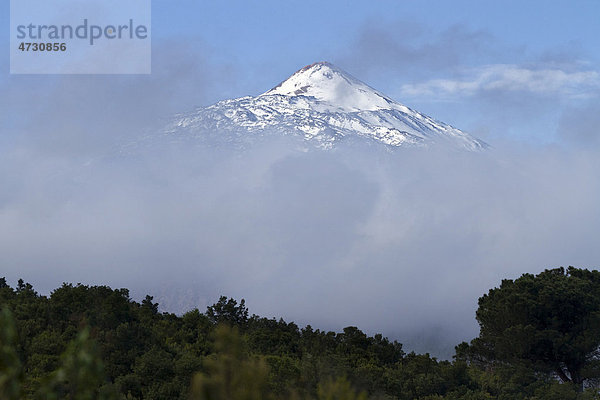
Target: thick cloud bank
401 242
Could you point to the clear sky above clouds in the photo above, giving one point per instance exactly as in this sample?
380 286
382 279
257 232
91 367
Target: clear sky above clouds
256 29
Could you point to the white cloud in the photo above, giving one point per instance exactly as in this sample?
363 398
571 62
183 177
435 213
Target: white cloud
511 78
400 243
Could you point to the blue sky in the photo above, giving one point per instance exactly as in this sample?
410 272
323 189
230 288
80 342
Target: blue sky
259 28
308 25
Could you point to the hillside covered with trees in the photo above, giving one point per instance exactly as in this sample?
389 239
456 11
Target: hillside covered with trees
539 339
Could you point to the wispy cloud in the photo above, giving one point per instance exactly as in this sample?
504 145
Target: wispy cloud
413 50
510 78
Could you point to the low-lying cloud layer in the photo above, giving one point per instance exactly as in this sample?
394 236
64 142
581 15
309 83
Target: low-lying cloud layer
401 243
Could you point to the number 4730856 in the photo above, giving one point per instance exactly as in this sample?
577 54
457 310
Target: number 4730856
43 47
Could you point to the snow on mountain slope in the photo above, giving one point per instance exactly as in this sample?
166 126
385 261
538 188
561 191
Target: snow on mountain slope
332 86
324 105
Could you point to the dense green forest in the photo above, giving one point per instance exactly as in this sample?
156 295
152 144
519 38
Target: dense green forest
539 339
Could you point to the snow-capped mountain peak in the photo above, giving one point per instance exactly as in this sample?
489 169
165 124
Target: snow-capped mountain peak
327 83
324 105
